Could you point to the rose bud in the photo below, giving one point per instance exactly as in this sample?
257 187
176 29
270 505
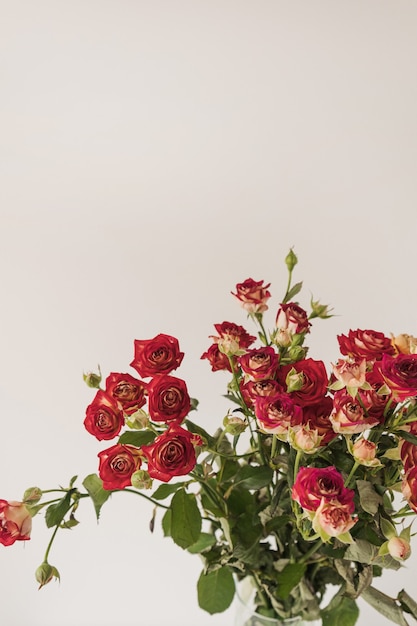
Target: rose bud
234 425
32 495
15 522
399 548
141 480
305 439
45 573
364 452
93 380
291 260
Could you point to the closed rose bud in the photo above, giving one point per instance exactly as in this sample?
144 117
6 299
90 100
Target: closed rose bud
92 379
45 573
364 451
141 480
32 495
291 260
234 425
399 548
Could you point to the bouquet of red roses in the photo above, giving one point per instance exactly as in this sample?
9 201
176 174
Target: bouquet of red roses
309 481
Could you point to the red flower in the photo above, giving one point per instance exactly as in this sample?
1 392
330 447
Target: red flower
314 377
159 355
365 344
292 318
228 331
171 454
253 295
400 374
316 417
117 464
349 416
409 488
218 360
168 399
15 522
260 363
254 388
276 414
128 392
314 484
103 418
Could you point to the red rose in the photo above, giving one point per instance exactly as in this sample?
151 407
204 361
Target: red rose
260 363
276 414
292 318
253 295
314 484
409 488
314 381
408 453
316 417
228 331
128 392
254 388
366 344
374 401
218 360
117 464
171 454
400 374
168 399
159 355
103 418
349 416
15 522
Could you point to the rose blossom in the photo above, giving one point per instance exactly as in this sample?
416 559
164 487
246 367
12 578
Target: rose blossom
399 548
405 344
128 392
349 416
253 295
254 388
159 355
373 398
15 522
275 414
332 518
409 487
408 454
400 374
104 419
313 381
232 339
117 464
365 344
260 363
313 484
292 318
172 453
350 373
168 399
316 417
218 360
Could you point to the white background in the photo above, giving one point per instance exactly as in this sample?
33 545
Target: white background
154 154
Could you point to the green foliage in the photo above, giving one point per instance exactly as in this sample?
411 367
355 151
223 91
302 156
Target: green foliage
216 590
185 519
94 486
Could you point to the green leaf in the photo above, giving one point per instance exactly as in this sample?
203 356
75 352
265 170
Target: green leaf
385 605
254 477
55 513
361 551
137 438
166 523
94 486
292 292
407 436
407 603
185 520
205 541
289 578
165 490
216 590
369 498
341 611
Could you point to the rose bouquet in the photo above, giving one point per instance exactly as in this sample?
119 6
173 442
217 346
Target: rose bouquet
309 483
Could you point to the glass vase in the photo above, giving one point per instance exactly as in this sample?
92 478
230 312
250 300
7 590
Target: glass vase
246 615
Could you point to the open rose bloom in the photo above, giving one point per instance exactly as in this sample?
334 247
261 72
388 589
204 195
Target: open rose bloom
297 485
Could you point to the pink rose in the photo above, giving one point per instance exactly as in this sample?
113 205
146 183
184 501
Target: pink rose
15 522
260 363
350 373
254 388
372 398
400 374
349 416
365 344
168 399
276 414
104 419
364 451
399 548
172 453
117 464
253 295
313 484
292 318
159 355
128 392
333 518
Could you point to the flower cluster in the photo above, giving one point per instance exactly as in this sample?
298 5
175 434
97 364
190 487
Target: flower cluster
309 481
